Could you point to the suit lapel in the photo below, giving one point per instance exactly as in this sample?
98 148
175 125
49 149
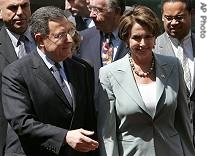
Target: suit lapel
193 43
163 71
70 73
7 51
121 51
91 53
43 73
124 77
165 46
126 80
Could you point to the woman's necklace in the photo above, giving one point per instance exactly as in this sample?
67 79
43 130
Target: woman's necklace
142 74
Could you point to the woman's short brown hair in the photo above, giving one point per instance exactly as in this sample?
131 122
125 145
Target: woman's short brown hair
141 15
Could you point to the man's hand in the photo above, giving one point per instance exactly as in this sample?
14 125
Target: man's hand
79 140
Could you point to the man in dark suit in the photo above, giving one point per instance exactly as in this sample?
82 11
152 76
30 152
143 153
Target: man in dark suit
106 19
46 120
15 16
177 18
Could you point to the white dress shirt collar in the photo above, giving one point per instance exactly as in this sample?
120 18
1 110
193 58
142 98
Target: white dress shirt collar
47 60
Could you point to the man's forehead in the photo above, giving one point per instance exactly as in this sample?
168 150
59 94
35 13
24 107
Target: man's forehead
98 2
13 2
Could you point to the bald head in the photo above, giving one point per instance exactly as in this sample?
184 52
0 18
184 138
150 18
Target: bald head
15 14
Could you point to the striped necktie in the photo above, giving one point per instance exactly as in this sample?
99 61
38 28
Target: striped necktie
185 65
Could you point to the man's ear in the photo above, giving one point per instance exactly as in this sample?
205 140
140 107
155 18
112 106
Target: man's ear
162 17
118 10
0 14
192 13
39 39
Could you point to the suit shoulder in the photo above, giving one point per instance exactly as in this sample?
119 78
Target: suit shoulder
12 68
21 63
74 63
81 61
4 36
89 33
116 64
166 59
161 38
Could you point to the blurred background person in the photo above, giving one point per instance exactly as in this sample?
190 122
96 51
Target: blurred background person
15 42
45 94
142 102
78 13
101 45
179 41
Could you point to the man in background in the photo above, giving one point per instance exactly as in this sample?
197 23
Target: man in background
77 11
179 41
15 15
103 38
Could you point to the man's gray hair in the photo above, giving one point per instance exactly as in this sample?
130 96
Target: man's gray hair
41 17
117 4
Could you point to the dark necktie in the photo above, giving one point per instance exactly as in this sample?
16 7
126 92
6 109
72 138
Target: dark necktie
56 72
24 46
107 49
80 23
